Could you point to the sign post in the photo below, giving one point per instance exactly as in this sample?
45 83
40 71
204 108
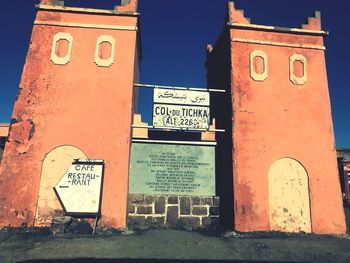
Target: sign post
80 189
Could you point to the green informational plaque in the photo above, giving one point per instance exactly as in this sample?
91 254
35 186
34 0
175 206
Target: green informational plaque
164 169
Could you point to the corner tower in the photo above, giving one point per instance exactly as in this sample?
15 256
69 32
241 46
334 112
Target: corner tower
75 101
281 126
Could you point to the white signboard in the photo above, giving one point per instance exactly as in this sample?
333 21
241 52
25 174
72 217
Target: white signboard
79 190
177 116
186 97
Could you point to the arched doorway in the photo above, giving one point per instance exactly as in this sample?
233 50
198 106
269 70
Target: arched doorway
55 164
289 200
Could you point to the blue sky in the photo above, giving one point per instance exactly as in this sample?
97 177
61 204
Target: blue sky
174 38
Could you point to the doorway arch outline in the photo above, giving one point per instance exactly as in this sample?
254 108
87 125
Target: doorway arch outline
54 165
289 196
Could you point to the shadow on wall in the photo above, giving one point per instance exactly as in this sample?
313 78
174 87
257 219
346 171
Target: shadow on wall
2 146
347 217
145 261
219 77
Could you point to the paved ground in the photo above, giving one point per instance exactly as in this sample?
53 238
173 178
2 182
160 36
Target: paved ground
39 245
177 245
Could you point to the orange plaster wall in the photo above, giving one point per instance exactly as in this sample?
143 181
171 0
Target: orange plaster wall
274 119
77 104
4 130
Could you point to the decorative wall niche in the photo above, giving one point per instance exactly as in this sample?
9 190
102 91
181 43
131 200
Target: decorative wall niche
298 69
258 65
61 51
105 49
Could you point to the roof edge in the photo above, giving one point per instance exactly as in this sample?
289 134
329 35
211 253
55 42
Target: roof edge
278 29
85 10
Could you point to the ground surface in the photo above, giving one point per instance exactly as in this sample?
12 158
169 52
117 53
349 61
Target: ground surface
171 244
152 245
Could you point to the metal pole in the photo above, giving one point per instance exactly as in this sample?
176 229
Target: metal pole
182 129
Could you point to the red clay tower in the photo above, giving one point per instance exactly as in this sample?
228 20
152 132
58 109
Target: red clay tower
75 101
283 150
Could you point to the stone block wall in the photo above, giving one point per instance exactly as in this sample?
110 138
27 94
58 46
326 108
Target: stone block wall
173 210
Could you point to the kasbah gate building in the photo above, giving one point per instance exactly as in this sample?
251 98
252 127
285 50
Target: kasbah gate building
259 174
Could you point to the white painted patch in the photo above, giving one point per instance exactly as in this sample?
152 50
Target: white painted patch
56 163
289 200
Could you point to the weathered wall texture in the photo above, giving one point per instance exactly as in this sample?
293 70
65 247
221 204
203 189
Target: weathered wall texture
76 90
281 109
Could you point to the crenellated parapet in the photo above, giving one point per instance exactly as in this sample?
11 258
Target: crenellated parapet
52 2
236 15
314 22
237 19
127 6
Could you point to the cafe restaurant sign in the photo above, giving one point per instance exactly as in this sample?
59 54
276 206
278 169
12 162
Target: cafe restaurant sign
79 190
181 109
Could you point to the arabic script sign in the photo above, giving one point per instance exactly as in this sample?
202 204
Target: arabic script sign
79 190
172 169
185 97
180 116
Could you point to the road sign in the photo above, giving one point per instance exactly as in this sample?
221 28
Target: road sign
184 97
79 190
178 116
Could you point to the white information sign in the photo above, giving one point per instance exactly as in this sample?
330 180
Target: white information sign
186 97
178 116
79 190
